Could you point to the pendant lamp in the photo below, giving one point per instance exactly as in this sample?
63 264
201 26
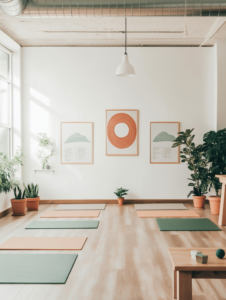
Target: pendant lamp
125 69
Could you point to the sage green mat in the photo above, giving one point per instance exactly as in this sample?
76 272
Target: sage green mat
36 268
186 225
63 225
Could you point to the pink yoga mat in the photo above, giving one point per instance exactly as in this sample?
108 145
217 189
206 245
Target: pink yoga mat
44 243
71 214
167 214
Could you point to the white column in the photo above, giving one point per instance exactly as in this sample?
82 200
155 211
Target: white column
221 83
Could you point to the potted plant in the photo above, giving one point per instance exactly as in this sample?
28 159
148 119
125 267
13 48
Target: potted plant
120 193
214 148
197 163
18 203
31 192
46 149
9 167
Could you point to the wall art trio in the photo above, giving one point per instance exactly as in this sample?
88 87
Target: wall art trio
122 135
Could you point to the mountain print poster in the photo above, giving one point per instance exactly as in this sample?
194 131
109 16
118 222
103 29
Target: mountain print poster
162 135
76 143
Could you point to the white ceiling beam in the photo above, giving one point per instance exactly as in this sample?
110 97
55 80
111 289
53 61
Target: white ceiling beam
214 29
7 42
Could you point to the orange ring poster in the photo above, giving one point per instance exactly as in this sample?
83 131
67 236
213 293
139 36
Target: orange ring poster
122 132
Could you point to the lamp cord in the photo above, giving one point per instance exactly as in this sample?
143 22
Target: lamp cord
125 35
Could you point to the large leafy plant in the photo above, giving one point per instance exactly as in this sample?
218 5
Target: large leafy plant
46 149
8 169
120 192
197 163
214 148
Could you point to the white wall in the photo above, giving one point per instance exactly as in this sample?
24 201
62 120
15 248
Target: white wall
221 86
78 84
16 105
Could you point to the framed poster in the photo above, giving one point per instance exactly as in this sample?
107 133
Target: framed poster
76 142
122 132
162 135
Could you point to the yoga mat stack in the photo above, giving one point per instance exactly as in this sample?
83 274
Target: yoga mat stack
48 268
175 217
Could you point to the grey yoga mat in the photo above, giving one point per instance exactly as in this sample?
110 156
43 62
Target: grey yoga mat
159 206
36 268
80 206
63 225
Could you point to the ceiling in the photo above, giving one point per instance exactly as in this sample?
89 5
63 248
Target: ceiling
97 31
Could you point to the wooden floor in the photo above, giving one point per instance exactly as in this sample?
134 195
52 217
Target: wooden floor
126 258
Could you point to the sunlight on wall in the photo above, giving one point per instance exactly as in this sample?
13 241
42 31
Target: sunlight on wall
39 96
39 120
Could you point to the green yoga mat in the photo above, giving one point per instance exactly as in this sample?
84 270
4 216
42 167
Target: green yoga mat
187 225
36 268
63 225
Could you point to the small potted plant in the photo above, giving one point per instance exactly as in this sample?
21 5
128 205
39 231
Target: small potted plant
197 163
214 148
120 193
31 192
19 202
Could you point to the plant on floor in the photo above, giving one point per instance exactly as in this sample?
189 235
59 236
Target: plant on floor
121 192
197 163
46 149
20 194
9 167
31 190
214 148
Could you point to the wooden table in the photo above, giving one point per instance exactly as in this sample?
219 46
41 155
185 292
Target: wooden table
222 215
185 268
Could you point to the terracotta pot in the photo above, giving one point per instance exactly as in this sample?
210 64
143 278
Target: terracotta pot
18 207
33 203
215 205
199 201
120 201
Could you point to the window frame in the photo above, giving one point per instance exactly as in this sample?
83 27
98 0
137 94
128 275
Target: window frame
8 81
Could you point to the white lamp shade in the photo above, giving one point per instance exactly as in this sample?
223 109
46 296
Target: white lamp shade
125 69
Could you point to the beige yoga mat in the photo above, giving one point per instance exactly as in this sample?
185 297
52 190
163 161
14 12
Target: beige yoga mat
44 243
160 206
71 214
167 214
80 207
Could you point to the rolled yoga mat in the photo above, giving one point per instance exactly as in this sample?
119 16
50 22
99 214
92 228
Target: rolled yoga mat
159 206
44 243
63 225
80 206
36 268
71 214
187 225
167 214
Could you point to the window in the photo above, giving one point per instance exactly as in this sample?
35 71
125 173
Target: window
5 101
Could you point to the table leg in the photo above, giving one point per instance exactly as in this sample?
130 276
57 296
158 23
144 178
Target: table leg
222 216
184 285
174 284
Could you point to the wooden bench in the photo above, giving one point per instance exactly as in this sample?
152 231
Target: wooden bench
185 269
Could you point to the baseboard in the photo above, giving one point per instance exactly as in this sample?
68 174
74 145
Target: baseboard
5 212
114 201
